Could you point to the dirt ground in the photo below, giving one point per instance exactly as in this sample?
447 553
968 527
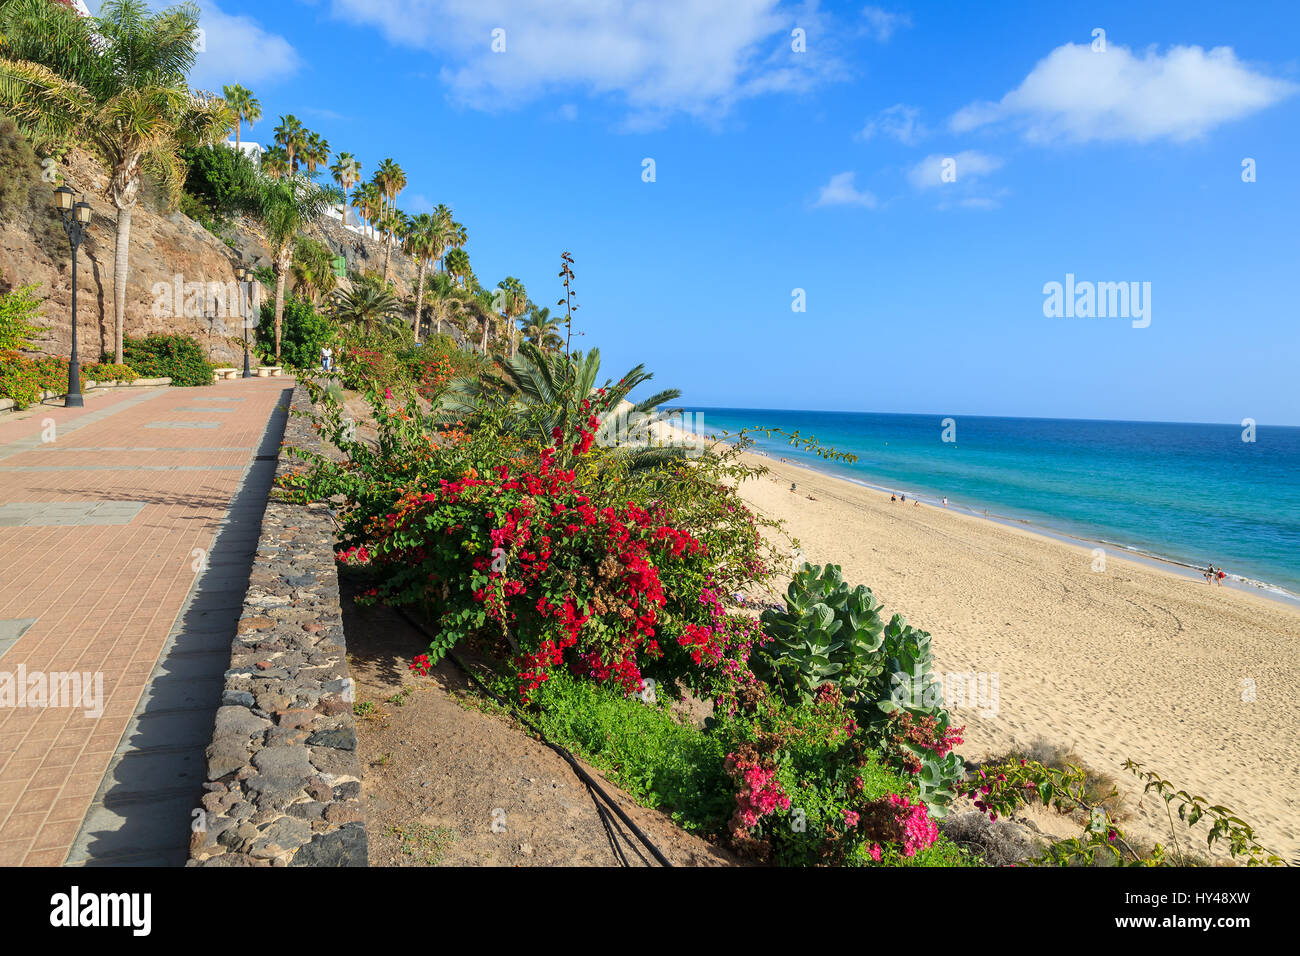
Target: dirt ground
450 782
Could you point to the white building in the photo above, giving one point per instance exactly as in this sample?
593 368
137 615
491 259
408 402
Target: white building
252 150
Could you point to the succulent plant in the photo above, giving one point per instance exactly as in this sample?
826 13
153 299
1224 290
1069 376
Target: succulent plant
827 633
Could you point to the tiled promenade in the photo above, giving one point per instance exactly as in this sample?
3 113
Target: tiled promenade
126 528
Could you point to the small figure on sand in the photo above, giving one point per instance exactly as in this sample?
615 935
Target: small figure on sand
893 497
902 497
792 486
1208 574
945 502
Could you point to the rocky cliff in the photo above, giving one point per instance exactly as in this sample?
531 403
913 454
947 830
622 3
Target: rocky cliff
167 248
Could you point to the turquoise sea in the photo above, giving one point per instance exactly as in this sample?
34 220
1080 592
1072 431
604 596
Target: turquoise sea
1196 494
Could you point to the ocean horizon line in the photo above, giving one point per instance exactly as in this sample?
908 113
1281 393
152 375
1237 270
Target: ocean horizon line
1028 418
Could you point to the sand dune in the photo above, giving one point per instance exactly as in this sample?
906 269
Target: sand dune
1130 662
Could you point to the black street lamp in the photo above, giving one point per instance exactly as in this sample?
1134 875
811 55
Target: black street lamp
76 217
242 273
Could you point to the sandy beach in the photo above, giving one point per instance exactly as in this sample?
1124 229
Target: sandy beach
1130 662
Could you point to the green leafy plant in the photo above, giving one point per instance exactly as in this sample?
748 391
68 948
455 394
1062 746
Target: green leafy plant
828 633
19 310
178 357
108 372
304 332
20 380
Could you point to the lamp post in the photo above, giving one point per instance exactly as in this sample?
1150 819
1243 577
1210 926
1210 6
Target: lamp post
76 217
242 273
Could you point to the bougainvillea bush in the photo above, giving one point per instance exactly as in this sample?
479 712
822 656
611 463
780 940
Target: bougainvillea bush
541 546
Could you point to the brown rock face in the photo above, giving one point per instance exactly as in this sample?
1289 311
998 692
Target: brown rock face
167 248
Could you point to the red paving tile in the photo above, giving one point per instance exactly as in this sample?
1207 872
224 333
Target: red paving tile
105 597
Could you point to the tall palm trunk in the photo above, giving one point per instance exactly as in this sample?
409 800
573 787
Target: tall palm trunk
388 255
483 347
282 263
237 126
419 296
121 267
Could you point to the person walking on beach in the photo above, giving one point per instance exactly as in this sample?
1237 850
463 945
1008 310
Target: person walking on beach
945 502
1208 574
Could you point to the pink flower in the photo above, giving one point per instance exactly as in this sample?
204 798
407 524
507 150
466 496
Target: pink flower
875 852
851 817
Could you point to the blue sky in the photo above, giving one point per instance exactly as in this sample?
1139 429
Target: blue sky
820 170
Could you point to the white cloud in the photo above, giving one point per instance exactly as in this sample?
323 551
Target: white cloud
238 50
1077 95
900 122
659 56
840 191
881 24
966 166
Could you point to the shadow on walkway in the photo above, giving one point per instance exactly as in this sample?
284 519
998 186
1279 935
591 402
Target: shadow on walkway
142 814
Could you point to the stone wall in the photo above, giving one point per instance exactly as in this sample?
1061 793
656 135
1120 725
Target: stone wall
284 784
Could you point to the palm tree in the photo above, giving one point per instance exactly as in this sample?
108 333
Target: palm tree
392 225
391 180
424 242
441 289
283 207
117 83
514 302
457 263
315 153
291 135
542 330
313 269
347 172
368 305
275 162
365 200
244 105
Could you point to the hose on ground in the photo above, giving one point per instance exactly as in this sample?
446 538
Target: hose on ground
598 793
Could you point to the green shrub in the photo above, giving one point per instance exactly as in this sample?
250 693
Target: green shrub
178 357
24 379
20 380
219 184
19 310
303 333
108 372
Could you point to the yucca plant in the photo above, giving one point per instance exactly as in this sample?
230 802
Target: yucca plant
538 392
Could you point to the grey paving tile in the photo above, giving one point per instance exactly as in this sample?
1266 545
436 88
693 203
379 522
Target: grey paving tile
11 630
